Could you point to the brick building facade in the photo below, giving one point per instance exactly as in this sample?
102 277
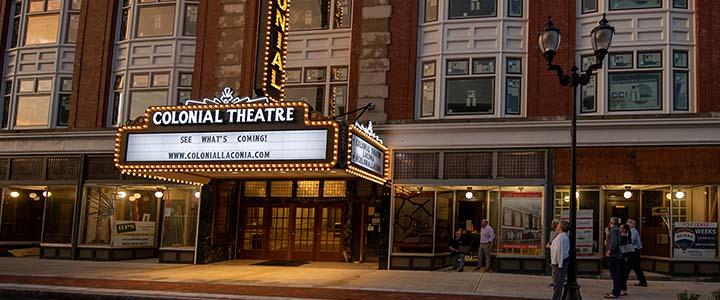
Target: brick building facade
461 94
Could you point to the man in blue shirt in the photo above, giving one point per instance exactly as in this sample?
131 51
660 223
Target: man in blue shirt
614 256
634 258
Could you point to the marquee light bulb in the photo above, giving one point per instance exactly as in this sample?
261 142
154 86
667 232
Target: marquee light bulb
627 194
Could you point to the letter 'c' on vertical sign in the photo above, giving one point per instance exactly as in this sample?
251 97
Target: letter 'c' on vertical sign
272 49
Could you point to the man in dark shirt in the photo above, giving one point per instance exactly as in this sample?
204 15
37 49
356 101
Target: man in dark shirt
458 257
614 255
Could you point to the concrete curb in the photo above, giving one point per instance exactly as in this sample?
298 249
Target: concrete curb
30 291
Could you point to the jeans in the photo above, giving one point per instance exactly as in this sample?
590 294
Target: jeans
558 275
459 261
633 263
616 272
484 255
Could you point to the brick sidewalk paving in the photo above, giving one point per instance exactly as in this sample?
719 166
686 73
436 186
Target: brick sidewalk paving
239 290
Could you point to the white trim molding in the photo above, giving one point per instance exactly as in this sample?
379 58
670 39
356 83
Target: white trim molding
549 134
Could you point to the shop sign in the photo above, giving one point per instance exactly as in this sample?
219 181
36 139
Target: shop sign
227 134
133 234
272 49
367 156
695 240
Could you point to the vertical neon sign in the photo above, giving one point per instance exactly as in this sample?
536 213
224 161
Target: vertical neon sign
272 49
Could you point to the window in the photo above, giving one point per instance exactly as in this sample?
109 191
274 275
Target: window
427 102
630 89
513 86
588 214
431 10
141 100
472 9
63 103
32 111
107 208
184 87
521 221
680 4
180 214
124 21
413 228
58 219
20 208
325 94
515 8
117 98
155 20
588 92
634 4
42 29
315 14
6 104
468 94
681 81
191 14
18 10
589 6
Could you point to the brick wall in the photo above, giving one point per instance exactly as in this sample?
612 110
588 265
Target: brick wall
93 64
403 57
707 20
545 97
640 165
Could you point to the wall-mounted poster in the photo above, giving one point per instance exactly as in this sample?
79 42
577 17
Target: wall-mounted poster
695 240
680 59
635 91
650 59
457 67
620 60
519 208
584 238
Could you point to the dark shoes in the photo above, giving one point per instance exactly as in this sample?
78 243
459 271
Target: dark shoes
610 296
641 284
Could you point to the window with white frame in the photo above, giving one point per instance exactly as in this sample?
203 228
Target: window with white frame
650 71
488 83
153 57
316 84
38 69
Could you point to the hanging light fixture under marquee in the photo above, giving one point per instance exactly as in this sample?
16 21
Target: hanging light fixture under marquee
627 194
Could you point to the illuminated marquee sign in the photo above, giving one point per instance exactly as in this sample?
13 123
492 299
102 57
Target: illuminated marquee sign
367 156
277 136
272 49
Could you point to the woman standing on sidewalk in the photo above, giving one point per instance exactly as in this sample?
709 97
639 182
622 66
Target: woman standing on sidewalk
559 253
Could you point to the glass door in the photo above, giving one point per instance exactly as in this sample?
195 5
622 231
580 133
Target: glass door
330 233
253 233
279 233
303 235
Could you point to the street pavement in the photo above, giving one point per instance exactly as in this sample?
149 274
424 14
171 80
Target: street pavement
242 280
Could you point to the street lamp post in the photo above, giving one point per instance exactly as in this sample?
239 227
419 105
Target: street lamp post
549 41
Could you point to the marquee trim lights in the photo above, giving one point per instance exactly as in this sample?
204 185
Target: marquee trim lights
226 167
226 97
362 132
275 52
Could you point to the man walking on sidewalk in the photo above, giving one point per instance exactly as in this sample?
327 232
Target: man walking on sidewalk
487 235
634 258
559 253
614 256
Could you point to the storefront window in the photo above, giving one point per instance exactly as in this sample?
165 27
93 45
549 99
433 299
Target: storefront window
59 209
22 210
120 216
695 221
521 221
588 218
443 221
180 215
413 228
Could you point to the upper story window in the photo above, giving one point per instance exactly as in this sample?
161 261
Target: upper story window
39 63
318 68
476 69
649 69
154 56
320 14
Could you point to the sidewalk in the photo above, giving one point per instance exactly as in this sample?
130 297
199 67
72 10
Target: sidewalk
235 279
